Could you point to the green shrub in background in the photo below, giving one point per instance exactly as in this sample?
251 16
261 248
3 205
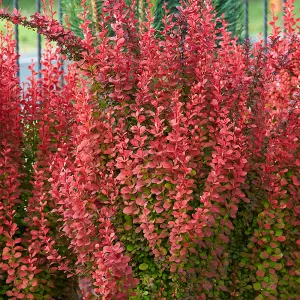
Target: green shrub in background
232 10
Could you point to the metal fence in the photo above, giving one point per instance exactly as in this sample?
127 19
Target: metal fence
265 17
39 40
246 24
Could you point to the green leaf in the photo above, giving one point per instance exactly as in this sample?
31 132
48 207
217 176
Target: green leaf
143 266
193 172
168 186
129 247
257 286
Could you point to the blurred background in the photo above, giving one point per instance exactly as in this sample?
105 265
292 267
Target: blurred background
234 11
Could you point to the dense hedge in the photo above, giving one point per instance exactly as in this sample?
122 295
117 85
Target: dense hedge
161 166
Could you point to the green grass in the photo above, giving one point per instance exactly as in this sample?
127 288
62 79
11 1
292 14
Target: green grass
28 38
256 15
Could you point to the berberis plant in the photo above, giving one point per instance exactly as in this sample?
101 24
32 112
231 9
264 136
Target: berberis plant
163 165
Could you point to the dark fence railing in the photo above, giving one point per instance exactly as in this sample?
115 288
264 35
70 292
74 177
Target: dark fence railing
39 38
16 5
39 42
265 18
246 18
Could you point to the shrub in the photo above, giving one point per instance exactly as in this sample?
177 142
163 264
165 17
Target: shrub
162 165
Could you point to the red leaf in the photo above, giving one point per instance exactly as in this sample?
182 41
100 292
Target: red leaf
120 42
128 210
295 180
260 273
20 296
214 102
281 238
17 255
9 293
228 223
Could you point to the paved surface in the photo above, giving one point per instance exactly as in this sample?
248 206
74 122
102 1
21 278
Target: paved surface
25 61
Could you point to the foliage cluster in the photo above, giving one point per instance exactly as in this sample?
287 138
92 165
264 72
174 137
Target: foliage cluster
232 10
160 166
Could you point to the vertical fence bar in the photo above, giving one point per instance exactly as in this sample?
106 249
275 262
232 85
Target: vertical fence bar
283 6
266 21
16 6
60 16
246 18
60 19
39 41
283 11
